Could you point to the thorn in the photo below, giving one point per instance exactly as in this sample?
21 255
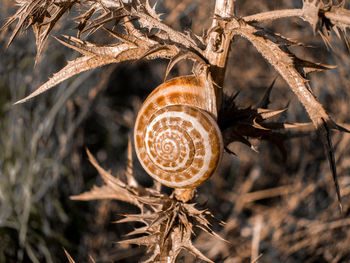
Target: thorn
264 103
254 149
328 147
129 168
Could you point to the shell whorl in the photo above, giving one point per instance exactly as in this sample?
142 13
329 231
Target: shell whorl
177 139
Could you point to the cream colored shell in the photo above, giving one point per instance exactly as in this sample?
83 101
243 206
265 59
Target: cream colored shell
177 139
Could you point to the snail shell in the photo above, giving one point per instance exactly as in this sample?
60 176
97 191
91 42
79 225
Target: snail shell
177 139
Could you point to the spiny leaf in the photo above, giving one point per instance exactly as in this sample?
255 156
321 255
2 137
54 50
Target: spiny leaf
175 36
136 218
106 176
116 14
84 19
21 15
94 57
120 51
43 30
150 200
152 10
87 48
138 231
231 135
73 68
168 223
277 38
282 62
184 242
238 125
155 49
284 65
131 38
304 67
310 12
149 240
105 192
114 188
324 16
42 15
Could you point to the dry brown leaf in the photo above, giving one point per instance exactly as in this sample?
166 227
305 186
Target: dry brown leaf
87 48
284 64
169 223
42 15
113 188
43 29
73 68
324 16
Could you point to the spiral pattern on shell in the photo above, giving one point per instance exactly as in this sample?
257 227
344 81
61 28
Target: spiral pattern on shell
177 142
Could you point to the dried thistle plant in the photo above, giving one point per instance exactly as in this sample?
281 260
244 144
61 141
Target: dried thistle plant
139 33
168 223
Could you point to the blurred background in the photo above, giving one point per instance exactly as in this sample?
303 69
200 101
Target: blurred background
283 208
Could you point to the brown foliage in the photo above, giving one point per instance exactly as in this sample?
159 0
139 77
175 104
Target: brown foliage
137 33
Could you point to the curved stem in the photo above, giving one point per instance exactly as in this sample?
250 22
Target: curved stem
272 15
342 18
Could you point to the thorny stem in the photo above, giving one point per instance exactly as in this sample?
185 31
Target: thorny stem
219 43
272 15
338 18
277 14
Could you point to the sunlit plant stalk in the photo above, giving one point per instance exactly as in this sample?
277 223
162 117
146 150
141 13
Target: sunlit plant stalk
218 43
